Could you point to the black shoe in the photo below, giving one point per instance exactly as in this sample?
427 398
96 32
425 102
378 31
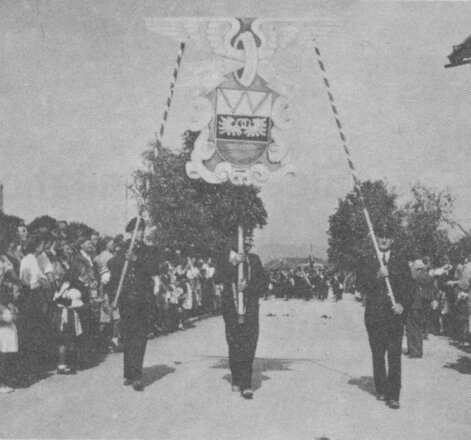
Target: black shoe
247 394
381 397
138 386
127 382
393 404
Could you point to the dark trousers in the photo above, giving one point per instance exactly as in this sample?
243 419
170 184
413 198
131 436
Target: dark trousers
134 329
415 337
385 337
35 331
7 364
242 341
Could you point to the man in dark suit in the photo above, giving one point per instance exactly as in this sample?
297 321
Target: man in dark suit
385 322
241 338
136 298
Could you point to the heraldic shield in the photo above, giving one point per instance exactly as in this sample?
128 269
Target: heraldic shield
243 103
239 127
242 122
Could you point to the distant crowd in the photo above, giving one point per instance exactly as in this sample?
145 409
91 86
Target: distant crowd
56 300
307 283
441 300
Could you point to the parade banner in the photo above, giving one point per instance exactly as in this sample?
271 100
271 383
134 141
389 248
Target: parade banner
243 104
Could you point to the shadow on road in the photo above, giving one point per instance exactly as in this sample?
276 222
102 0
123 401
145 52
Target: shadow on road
155 373
365 383
260 366
462 365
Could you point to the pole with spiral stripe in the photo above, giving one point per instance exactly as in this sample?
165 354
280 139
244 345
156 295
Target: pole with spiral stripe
170 96
156 152
168 103
356 180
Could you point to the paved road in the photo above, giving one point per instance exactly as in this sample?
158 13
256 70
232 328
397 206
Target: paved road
312 379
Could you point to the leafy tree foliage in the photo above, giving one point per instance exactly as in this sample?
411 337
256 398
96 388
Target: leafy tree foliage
427 216
43 221
193 213
77 230
421 224
8 228
348 230
9 222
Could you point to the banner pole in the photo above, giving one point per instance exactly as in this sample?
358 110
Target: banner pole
356 180
168 103
126 262
240 295
169 97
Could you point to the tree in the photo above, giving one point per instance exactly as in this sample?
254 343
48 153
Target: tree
8 228
193 213
78 230
421 223
427 217
348 230
43 221
9 222
460 250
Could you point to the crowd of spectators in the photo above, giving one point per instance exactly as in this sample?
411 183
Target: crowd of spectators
56 299
441 302
56 312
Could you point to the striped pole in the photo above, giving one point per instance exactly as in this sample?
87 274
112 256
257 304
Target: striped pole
160 134
169 97
356 180
156 152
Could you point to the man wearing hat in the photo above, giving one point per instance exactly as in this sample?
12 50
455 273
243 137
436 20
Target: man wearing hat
385 322
135 300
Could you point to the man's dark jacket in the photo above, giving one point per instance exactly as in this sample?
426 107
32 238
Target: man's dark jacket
138 285
378 304
257 283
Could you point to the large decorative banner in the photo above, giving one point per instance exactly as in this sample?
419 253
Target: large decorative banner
243 104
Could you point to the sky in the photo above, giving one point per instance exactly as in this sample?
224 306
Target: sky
83 86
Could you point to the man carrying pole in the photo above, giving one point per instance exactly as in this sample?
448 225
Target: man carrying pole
384 320
385 280
244 281
133 277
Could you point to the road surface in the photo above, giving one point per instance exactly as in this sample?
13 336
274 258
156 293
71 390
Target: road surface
312 381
